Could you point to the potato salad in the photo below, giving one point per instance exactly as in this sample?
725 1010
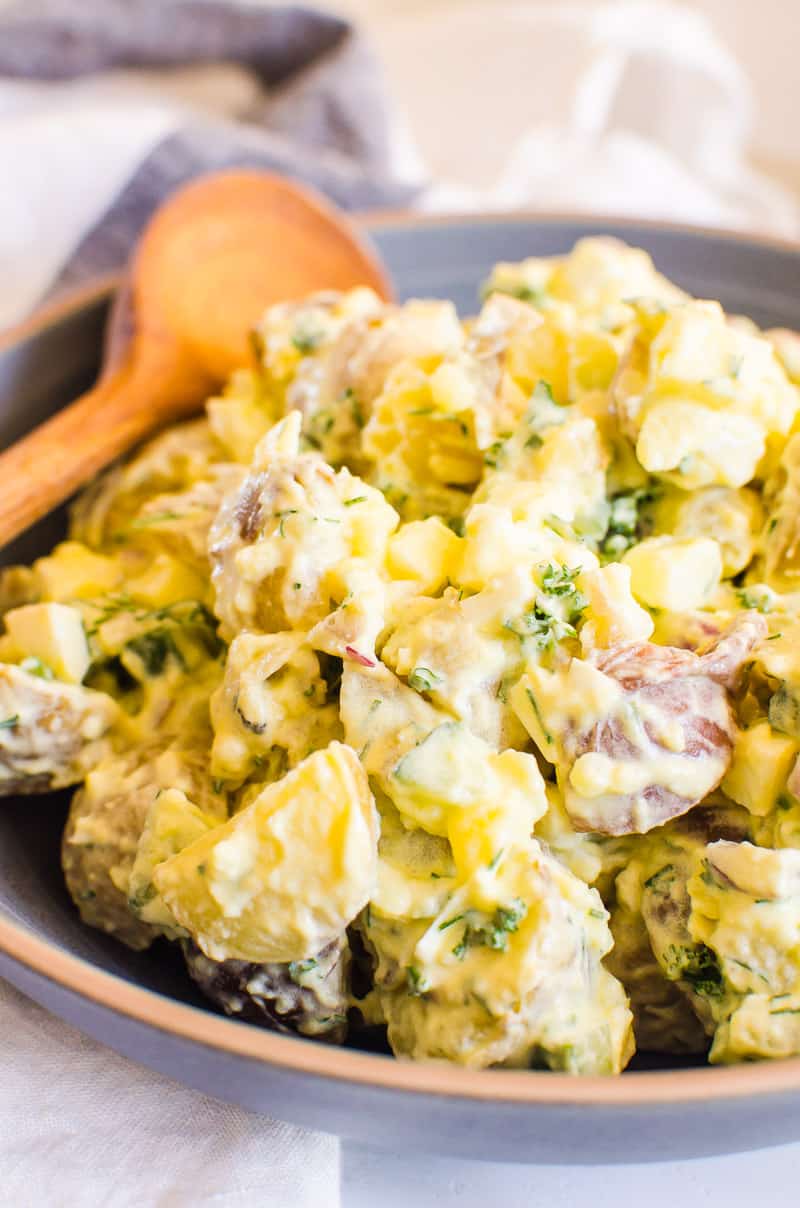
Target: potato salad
442 682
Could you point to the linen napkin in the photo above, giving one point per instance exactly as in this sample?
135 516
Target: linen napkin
107 105
81 1127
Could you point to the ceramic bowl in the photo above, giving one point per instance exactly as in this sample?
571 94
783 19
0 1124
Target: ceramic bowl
143 1004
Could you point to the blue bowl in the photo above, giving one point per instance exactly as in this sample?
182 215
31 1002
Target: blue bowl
143 1004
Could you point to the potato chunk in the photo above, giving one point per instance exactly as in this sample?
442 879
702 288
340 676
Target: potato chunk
51 734
54 634
102 852
309 997
640 734
285 875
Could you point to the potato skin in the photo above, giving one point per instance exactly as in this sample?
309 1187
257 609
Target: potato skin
286 998
104 826
52 733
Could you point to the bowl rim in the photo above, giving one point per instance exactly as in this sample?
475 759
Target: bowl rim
299 1056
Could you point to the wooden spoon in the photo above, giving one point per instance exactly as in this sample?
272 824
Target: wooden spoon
212 257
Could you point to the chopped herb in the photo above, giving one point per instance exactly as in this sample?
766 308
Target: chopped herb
754 599
547 737
786 1011
201 869
494 454
154 518
297 586
218 786
597 914
422 679
416 982
456 525
698 966
535 295
783 802
495 860
309 691
422 411
661 879
460 950
773 637
307 339
154 648
560 581
359 418
450 922
494 932
534 441
35 666
348 503
298 968
624 522
749 968
282 517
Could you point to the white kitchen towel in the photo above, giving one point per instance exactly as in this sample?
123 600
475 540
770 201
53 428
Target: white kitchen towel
81 1127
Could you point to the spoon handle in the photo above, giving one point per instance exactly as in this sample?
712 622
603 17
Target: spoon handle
49 464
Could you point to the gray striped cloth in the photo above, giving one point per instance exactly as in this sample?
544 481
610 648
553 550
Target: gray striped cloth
320 112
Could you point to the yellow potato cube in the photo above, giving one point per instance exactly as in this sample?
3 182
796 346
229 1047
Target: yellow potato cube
674 573
74 572
762 760
285 875
426 551
167 581
54 634
612 615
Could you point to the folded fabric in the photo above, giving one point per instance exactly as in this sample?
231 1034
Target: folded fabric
82 1127
107 105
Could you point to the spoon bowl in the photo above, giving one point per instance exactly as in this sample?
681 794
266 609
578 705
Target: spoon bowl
211 259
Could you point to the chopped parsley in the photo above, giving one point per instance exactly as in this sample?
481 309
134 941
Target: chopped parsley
662 879
298 968
534 295
495 454
35 666
416 982
624 522
494 932
698 966
760 600
348 503
422 679
8 723
534 705
544 625
154 648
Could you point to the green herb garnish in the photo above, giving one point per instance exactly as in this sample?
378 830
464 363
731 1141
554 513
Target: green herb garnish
422 679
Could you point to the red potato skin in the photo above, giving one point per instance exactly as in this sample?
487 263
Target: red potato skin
681 686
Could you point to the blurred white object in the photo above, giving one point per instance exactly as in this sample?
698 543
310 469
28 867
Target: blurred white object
84 1127
630 107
